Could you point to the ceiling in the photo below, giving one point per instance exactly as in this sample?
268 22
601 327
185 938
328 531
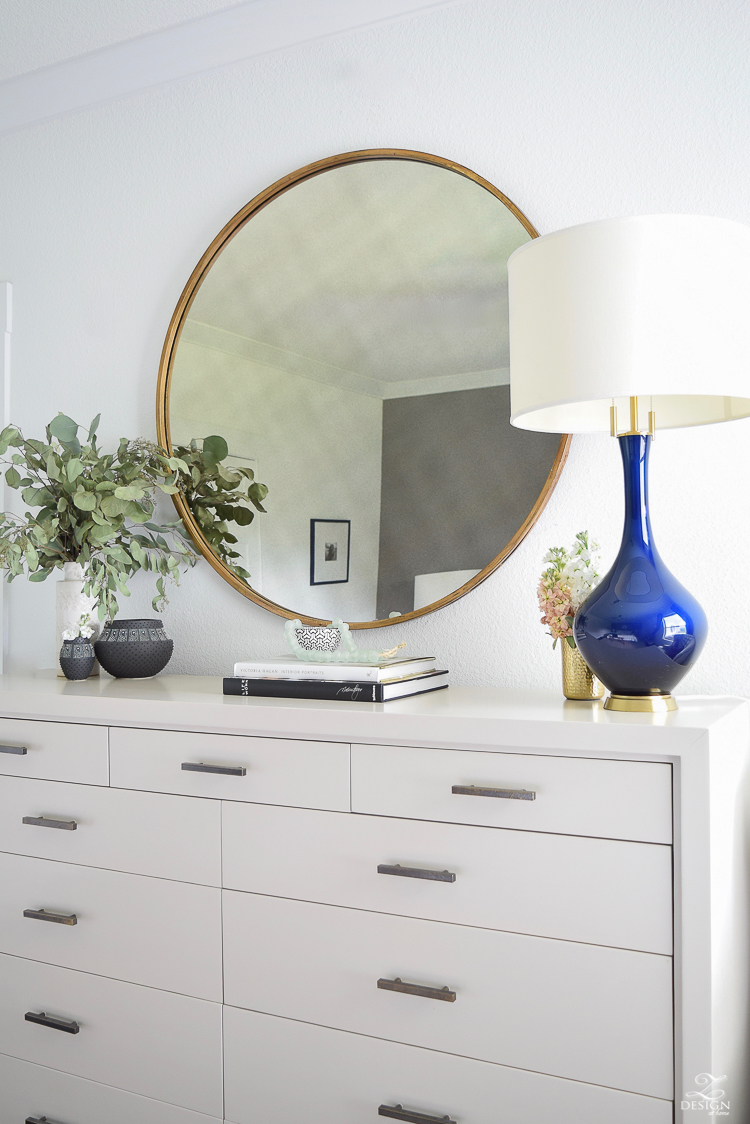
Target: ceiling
392 270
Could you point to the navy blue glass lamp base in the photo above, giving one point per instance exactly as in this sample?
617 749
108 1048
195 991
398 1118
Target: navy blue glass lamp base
639 631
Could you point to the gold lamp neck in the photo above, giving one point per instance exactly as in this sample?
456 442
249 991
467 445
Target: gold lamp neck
635 408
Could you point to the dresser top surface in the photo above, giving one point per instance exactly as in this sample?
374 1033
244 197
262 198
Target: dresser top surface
466 716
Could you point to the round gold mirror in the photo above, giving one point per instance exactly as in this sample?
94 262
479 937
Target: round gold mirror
335 377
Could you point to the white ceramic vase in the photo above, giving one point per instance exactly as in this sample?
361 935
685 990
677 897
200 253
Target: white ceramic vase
71 604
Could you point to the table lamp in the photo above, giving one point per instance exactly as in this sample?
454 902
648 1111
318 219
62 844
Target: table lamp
629 326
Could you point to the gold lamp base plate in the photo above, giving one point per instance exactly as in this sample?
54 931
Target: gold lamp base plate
641 704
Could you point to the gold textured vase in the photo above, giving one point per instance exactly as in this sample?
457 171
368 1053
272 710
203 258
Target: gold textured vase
579 681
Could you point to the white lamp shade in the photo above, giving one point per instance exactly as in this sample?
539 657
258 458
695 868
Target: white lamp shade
655 305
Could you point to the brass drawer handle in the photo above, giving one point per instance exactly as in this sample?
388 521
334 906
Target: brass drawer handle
225 770
443 993
68 1026
398 1112
48 915
47 821
502 793
417 872
20 749
38 1120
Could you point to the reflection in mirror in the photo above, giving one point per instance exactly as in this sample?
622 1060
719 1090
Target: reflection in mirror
349 342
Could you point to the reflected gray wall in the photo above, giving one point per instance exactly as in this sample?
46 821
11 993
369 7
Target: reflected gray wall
431 520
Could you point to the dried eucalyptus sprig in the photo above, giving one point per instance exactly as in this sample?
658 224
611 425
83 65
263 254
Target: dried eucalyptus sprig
94 508
217 495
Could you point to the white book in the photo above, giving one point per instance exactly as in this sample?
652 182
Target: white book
289 667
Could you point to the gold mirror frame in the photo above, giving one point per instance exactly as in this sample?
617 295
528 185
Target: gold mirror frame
175 331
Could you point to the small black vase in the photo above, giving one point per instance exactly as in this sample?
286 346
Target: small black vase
134 649
76 658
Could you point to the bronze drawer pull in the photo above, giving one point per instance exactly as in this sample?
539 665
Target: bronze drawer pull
68 1026
502 793
398 1112
225 770
47 821
443 993
417 872
21 749
48 915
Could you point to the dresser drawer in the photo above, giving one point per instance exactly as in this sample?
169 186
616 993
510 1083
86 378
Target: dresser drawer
155 1043
343 1078
262 770
602 891
142 930
57 751
566 795
593 1014
139 832
34 1091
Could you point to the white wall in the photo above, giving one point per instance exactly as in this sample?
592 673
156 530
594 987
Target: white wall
576 109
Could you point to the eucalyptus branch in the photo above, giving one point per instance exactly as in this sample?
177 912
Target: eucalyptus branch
217 495
93 508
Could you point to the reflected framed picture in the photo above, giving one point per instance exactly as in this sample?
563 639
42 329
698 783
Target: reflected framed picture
329 551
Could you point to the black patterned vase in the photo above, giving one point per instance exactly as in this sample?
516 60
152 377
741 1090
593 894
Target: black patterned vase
134 649
77 658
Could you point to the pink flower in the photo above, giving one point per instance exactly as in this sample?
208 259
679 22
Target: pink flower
555 603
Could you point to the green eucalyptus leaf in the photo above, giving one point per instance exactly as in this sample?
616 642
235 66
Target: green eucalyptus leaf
32 558
136 513
39 575
215 448
84 501
114 507
94 426
64 429
38 497
12 477
229 477
74 469
242 516
8 436
131 492
100 534
176 463
138 552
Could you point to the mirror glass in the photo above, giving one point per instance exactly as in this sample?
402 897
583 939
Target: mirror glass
347 336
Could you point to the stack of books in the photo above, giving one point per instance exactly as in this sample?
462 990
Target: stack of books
289 678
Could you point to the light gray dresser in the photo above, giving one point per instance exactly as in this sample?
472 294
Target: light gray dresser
474 906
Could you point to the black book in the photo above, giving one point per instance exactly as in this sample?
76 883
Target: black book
334 689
